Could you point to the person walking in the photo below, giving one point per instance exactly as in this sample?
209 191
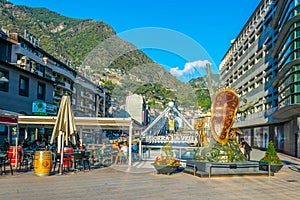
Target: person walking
247 148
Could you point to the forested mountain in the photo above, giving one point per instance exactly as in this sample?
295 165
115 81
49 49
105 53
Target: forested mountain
202 94
91 43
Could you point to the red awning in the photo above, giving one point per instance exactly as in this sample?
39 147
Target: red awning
4 120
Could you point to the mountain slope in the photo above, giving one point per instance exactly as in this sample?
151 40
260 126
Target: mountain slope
202 93
95 44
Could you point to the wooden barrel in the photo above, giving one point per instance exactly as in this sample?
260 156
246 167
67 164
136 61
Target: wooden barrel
42 163
13 155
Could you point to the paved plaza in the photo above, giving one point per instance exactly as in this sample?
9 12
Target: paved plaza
141 182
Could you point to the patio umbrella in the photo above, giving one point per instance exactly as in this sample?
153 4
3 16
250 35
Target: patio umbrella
64 126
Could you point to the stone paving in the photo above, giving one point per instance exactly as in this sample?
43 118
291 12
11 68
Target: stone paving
140 182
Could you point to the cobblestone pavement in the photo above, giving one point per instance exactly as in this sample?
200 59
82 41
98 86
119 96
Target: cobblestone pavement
140 182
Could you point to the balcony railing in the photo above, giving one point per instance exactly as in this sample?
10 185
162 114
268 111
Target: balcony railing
88 96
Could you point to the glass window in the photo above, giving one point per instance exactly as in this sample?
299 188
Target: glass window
5 51
41 91
23 86
4 84
297 98
297 87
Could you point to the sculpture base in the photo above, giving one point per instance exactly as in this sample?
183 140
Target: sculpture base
223 169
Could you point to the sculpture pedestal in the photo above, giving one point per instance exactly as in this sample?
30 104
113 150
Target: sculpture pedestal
200 168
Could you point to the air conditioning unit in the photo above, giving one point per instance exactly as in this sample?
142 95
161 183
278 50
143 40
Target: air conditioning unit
23 61
45 60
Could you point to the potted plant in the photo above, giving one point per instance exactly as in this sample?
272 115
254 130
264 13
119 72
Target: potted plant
271 159
166 163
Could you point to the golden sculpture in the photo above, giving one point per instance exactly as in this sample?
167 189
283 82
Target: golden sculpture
224 109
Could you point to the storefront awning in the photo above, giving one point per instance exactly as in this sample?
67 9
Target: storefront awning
8 117
104 123
287 112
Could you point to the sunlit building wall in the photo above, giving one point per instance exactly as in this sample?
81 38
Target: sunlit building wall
262 64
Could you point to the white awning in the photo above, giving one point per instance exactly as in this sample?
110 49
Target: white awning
104 123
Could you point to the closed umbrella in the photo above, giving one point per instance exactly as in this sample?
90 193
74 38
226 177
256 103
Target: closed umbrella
64 127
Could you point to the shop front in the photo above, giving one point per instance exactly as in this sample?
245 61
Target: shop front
8 127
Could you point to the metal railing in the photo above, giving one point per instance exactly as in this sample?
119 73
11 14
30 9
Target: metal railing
183 153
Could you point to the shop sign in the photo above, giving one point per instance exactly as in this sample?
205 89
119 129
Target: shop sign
42 108
171 139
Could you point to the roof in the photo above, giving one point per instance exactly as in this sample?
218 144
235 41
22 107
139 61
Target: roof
104 123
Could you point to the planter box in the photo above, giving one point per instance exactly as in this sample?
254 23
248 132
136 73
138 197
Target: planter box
273 167
160 169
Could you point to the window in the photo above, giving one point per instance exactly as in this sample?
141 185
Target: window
41 91
23 86
4 84
5 51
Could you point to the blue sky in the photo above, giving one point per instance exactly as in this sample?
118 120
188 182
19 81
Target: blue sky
180 35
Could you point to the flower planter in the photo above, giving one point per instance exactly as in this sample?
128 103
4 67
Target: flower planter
164 169
273 167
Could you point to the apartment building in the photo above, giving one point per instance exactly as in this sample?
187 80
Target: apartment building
103 102
262 64
84 97
25 82
32 82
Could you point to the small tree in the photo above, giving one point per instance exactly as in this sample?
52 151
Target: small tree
167 156
271 155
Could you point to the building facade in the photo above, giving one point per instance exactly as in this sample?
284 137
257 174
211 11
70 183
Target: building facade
262 65
32 82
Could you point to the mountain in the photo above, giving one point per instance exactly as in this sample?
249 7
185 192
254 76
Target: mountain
202 94
86 42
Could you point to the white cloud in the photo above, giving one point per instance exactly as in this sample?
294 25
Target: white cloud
189 68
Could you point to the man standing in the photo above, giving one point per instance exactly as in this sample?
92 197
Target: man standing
5 145
247 148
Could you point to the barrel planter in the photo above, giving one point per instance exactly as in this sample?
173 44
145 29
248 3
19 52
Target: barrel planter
42 163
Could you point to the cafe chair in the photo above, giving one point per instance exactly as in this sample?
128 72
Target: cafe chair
66 162
27 160
105 157
4 161
81 159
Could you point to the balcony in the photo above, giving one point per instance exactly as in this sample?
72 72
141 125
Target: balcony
87 96
57 93
22 51
87 106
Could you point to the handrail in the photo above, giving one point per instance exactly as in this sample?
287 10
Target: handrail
182 151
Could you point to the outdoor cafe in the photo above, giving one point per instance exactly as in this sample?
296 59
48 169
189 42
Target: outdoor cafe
84 126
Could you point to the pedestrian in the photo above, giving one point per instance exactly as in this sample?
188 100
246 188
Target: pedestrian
247 148
5 145
25 144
